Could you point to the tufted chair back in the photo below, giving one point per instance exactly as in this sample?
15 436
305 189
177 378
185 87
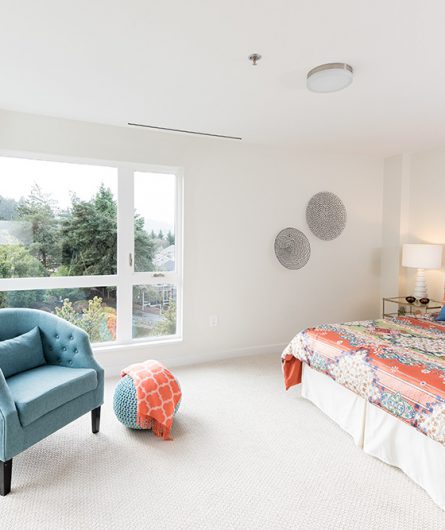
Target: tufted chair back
63 343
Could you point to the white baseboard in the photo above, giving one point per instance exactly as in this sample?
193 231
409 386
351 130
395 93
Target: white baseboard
113 363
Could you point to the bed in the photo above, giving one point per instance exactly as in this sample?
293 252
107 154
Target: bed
383 382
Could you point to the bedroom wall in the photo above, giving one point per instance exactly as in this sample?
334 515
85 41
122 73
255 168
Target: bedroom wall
395 222
237 198
413 212
426 209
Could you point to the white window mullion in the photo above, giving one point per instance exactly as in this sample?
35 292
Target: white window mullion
56 282
125 254
179 238
154 278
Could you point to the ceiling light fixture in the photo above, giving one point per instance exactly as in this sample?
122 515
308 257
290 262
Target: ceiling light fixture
329 77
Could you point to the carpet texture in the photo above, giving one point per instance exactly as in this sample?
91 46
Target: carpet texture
245 455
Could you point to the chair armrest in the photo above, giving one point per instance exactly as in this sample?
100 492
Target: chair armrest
11 432
7 405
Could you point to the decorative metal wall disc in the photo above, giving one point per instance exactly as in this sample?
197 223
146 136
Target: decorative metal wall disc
326 215
292 248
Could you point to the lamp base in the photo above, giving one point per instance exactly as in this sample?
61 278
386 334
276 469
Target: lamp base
420 288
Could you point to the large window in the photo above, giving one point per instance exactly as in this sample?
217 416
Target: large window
95 244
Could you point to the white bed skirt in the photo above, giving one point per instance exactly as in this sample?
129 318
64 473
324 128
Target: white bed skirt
380 434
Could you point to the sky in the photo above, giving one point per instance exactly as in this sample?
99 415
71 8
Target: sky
154 199
154 192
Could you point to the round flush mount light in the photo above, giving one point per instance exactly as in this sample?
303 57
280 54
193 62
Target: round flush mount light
329 77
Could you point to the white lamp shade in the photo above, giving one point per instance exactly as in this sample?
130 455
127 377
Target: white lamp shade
422 256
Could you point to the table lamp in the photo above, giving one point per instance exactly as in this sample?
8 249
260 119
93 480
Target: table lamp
422 257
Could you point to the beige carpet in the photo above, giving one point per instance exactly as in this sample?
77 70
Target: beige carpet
245 455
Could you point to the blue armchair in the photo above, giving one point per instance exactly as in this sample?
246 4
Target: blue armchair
66 383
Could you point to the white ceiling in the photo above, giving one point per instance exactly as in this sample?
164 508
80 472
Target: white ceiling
183 64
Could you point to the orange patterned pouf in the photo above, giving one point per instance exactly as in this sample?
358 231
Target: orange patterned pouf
158 394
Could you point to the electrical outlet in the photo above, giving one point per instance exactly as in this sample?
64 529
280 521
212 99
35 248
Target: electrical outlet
213 321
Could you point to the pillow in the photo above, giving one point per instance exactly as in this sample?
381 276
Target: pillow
441 315
425 316
21 353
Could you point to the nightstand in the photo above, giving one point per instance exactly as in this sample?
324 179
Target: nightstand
405 308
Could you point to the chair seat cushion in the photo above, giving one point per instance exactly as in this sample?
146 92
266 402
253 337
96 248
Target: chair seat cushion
41 390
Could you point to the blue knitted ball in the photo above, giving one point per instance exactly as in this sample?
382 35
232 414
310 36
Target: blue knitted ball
125 403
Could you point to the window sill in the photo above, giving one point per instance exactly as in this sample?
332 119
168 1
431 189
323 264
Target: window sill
135 345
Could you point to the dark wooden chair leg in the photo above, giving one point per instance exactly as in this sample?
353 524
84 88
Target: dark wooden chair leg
5 477
95 420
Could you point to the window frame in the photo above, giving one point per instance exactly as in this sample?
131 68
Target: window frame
125 277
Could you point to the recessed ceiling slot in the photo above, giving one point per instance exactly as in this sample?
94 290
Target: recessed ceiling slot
184 131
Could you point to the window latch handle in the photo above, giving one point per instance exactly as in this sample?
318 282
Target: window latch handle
130 259
158 275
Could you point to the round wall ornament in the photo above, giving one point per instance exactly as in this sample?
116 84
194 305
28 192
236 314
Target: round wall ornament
292 248
326 215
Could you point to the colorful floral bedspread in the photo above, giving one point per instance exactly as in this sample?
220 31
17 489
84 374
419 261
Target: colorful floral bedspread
397 364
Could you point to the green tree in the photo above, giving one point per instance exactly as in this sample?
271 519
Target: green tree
161 235
39 210
170 238
67 312
152 234
89 235
31 299
8 209
91 319
17 262
146 295
144 247
167 326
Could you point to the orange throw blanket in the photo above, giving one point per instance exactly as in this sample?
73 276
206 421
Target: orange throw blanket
157 393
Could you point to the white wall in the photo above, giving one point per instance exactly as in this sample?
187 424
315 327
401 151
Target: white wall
427 208
395 222
413 211
237 198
